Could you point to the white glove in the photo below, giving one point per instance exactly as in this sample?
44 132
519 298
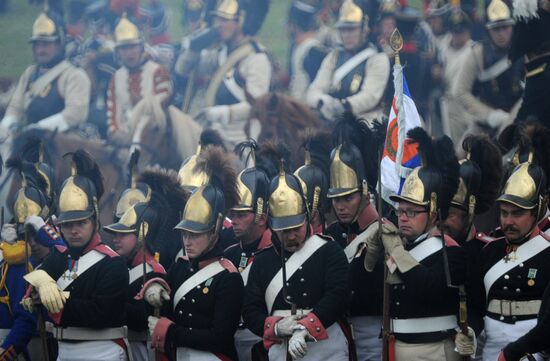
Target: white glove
152 323
297 345
497 118
52 123
8 126
466 345
330 107
9 233
35 222
285 326
155 295
219 114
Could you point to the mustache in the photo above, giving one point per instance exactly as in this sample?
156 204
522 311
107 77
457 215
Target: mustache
510 228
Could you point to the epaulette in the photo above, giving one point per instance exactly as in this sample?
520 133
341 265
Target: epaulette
106 250
228 265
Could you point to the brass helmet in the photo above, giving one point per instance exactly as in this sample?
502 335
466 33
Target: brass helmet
208 204
302 15
480 176
127 33
48 26
252 182
351 16
190 179
433 184
287 204
249 13
314 174
193 10
458 21
80 193
498 14
136 191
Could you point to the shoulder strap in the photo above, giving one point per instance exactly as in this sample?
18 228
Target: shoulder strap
292 265
352 249
205 273
137 272
84 263
45 79
524 252
426 248
237 55
494 70
351 63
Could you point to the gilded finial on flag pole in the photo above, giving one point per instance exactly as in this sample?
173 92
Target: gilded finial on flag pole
396 43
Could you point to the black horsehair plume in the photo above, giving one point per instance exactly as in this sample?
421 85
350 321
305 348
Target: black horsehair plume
165 187
132 167
537 137
217 164
249 145
24 162
211 137
85 165
318 143
487 156
269 155
369 141
439 155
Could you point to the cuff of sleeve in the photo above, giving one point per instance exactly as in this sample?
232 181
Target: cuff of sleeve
270 338
56 317
47 236
159 280
314 326
404 261
159 334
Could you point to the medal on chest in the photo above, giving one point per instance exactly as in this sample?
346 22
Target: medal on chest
511 253
206 288
531 277
243 262
72 270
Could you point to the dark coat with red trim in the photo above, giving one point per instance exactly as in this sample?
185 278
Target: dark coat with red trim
98 295
238 251
207 317
320 284
425 293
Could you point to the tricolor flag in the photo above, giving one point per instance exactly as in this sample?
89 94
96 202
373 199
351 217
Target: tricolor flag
399 157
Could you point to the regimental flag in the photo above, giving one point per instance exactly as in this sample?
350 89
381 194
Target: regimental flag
399 157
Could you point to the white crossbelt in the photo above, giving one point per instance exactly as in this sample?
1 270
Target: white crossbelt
426 248
205 273
514 308
350 64
137 272
86 334
424 324
84 263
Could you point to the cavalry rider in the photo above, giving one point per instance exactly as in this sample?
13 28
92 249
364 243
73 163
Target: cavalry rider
240 67
304 298
139 236
51 94
354 77
139 89
351 173
251 233
423 305
83 285
204 290
513 270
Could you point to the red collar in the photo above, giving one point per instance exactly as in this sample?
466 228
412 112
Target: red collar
96 241
368 216
138 259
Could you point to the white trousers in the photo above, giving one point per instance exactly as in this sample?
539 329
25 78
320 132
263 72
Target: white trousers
139 351
499 334
433 351
244 340
366 333
335 348
189 354
90 351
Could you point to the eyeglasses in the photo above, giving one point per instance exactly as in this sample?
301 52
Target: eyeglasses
411 213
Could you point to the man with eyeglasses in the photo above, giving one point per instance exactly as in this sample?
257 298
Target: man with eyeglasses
425 270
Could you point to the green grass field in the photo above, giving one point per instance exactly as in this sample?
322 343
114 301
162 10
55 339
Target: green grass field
16 24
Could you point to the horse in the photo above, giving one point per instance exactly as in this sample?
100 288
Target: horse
281 117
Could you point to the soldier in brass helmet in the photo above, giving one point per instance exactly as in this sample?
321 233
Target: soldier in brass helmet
353 176
239 66
141 237
513 270
201 296
351 78
250 230
83 285
140 86
297 288
423 266
52 94
489 86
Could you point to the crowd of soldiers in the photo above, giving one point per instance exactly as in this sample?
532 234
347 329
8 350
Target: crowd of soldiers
240 255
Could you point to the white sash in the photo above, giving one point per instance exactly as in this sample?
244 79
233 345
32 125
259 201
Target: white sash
84 264
233 87
294 262
350 64
202 275
494 70
246 272
352 248
524 252
137 272
45 79
426 248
